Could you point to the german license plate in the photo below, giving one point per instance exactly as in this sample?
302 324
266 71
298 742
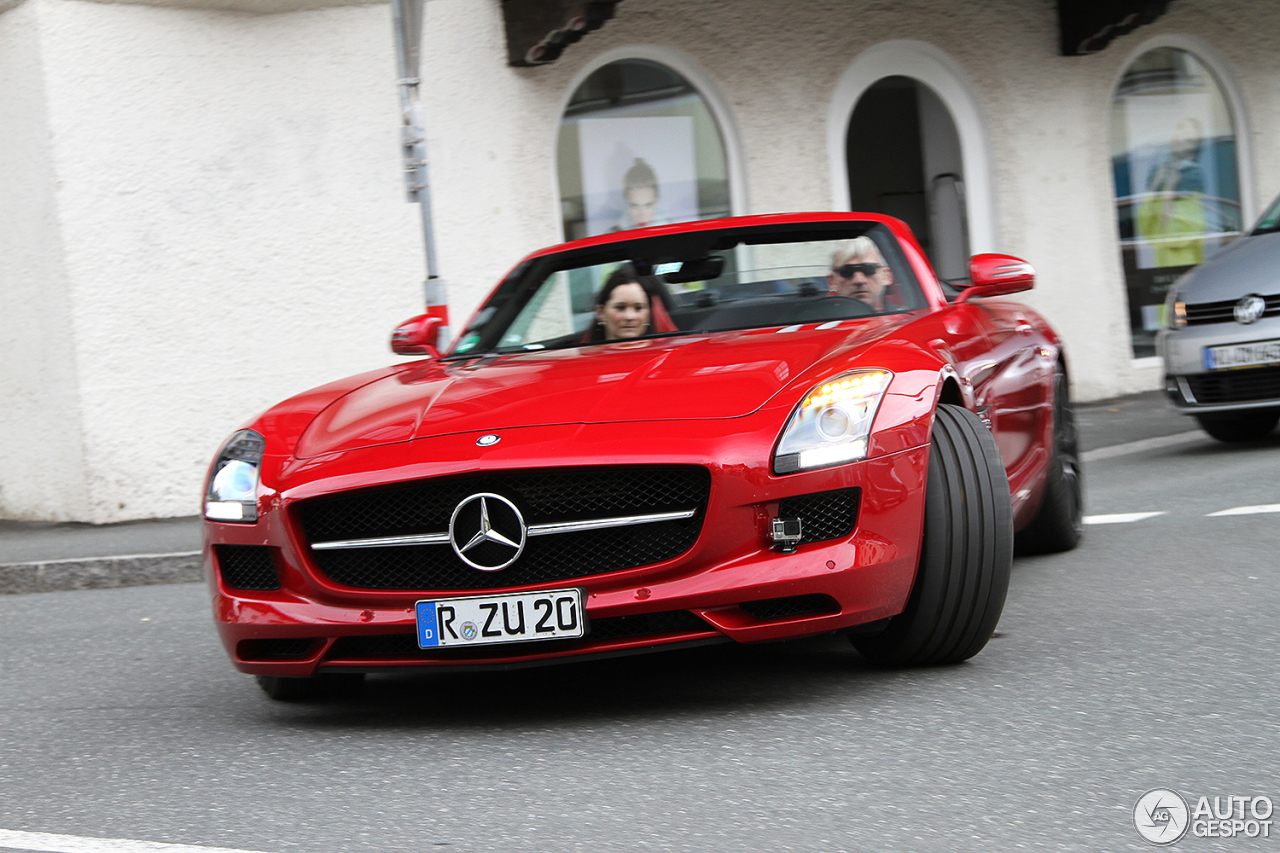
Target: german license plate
1242 355
515 617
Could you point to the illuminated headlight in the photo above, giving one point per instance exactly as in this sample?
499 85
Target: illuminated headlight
232 493
1175 310
832 424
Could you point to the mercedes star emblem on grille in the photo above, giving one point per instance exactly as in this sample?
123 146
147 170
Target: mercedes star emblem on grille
1250 309
487 532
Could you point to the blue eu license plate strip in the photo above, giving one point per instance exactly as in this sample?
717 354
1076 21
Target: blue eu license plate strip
481 620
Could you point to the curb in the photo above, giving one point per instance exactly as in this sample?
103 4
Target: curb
101 572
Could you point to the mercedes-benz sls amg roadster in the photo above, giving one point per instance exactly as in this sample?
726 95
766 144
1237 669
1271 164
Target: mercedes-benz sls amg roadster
735 430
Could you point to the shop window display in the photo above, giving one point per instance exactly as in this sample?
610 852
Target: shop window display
1173 157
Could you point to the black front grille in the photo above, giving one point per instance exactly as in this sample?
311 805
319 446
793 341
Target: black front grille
1204 313
1236 386
543 497
794 605
247 566
402 646
823 515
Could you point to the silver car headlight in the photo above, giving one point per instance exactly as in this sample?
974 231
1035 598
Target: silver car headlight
1175 310
832 424
232 492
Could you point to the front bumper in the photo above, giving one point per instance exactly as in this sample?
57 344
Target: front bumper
1195 389
730 585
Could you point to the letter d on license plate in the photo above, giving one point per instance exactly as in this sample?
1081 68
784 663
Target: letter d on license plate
481 620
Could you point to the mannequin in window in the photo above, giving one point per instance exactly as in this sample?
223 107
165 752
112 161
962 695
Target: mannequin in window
641 194
1171 216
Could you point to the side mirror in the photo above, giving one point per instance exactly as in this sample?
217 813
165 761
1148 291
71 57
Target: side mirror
417 336
997 275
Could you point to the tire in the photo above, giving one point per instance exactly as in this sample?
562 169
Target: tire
965 552
1233 427
288 689
1059 523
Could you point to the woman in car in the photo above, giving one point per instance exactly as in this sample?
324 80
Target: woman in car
628 306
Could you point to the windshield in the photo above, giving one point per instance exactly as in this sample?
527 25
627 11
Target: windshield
1269 222
697 282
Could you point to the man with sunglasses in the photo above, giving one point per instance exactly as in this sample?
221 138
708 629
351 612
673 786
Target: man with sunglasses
858 271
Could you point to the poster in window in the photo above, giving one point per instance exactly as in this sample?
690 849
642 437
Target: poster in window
637 171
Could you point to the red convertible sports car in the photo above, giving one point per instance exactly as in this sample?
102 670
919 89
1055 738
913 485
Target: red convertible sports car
744 429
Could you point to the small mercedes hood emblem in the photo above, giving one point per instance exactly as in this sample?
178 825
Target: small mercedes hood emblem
487 532
488 440
1250 309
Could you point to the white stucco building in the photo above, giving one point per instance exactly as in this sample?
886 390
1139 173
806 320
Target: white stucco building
202 208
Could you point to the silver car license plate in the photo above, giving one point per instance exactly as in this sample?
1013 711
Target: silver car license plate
1255 354
481 620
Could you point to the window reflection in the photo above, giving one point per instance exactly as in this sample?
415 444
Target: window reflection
1173 156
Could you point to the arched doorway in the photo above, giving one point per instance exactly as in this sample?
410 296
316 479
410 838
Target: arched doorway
904 159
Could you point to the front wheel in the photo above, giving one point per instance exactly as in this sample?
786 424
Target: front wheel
965 554
1233 427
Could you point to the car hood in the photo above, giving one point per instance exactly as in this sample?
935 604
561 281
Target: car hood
1246 266
724 375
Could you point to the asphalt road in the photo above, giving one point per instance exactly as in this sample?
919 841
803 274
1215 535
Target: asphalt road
1144 659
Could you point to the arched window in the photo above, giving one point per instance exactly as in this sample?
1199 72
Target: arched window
1177 181
639 146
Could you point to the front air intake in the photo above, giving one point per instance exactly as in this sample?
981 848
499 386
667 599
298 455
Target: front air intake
247 566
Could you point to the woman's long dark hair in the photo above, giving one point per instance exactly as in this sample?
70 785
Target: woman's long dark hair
625 274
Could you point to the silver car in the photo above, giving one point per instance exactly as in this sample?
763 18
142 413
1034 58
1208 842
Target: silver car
1221 341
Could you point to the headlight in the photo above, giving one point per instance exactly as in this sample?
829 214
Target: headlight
832 424
1175 310
232 493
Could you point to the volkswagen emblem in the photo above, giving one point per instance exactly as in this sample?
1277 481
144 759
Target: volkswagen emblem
488 440
1249 309
487 532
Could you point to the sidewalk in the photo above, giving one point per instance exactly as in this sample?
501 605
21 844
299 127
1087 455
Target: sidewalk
47 556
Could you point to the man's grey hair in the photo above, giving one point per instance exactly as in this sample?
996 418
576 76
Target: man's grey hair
859 248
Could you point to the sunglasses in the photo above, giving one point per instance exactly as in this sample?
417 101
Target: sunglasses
848 270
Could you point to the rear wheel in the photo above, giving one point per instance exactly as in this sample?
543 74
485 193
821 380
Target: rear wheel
291 689
1059 523
965 553
1232 427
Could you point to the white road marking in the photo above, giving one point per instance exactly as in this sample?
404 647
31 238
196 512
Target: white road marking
1120 517
1144 444
1245 510
45 842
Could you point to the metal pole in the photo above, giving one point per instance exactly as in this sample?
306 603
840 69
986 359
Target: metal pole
407 18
